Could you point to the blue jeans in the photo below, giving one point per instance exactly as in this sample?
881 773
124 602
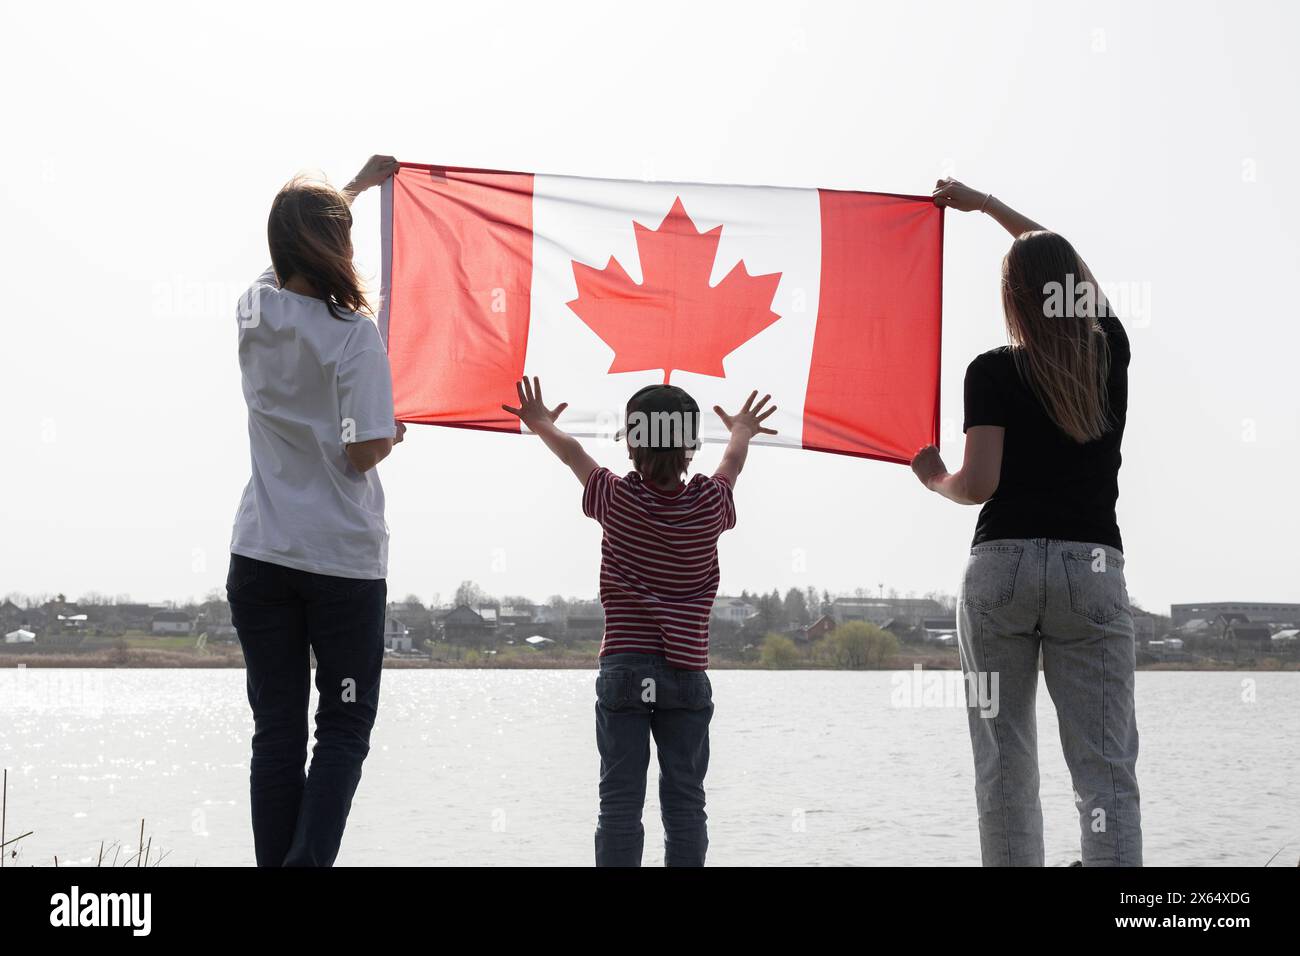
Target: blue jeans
282 616
637 696
1069 600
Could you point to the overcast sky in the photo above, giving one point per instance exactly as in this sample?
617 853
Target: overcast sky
142 151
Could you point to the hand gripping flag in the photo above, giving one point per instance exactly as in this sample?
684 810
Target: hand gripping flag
828 299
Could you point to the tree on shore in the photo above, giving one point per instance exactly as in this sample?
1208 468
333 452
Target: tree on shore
471 595
796 607
857 645
778 652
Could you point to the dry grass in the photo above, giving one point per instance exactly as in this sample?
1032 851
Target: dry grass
110 854
129 657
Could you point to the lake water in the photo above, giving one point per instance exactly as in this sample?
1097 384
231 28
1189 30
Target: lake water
493 767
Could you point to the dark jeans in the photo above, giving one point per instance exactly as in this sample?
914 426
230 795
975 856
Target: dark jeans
639 695
281 616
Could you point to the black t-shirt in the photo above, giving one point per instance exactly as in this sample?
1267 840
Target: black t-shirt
1051 485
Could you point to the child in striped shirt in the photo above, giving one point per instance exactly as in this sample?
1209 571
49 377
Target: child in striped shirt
658 579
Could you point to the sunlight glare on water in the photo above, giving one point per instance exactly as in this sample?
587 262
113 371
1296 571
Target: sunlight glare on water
498 767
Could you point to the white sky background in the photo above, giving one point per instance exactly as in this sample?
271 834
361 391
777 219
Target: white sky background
142 150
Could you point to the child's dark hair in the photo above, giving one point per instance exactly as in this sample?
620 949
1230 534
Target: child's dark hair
310 235
662 432
660 466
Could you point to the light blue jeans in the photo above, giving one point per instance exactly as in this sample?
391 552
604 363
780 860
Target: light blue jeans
1069 600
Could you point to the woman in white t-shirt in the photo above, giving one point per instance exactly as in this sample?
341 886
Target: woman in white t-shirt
309 551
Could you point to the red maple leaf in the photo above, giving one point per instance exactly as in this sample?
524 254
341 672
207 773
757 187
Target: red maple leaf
674 319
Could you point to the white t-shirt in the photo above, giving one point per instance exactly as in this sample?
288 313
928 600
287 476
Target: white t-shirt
313 383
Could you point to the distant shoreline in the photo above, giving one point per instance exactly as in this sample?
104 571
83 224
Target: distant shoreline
136 659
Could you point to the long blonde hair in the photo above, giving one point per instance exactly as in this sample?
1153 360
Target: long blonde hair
1052 305
310 235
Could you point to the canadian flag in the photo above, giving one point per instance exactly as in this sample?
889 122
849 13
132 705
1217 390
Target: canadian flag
829 300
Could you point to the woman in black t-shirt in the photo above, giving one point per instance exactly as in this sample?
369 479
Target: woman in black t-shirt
1044 419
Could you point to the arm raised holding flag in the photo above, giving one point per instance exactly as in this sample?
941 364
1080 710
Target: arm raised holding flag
1044 421
976 481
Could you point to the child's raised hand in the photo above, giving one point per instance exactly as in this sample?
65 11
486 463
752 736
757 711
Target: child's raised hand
749 420
532 411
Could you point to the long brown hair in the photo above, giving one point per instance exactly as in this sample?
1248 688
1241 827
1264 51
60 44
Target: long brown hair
310 234
1052 305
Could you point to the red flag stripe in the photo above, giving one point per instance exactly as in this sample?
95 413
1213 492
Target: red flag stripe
462 243
878 327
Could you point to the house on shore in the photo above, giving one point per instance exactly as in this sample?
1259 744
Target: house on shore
940 630
1286 641
815 631
880 611
120 618
13 617
1165 649
1257 612
1247 634
397 636
731 610
416 618
465 626
585 621
70 618
171 623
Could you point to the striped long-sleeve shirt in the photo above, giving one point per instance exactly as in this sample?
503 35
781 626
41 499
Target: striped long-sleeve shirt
659 563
